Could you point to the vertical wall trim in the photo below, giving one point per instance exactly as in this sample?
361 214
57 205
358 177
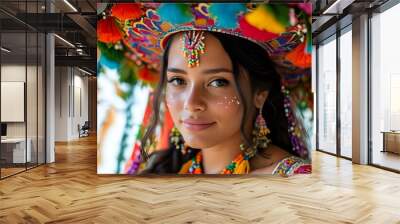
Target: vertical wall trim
317 96
60 76
338 99
0 90
26 88
37 94
360 90
45 95
369 90
50 91
69 91
73 92
80 102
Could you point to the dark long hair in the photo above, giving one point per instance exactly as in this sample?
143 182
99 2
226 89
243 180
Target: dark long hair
262 75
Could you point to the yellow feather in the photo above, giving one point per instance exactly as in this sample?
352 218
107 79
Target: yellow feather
264 20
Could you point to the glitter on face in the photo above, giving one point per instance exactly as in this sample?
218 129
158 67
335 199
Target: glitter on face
229 101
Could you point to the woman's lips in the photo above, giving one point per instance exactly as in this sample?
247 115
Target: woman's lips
196 126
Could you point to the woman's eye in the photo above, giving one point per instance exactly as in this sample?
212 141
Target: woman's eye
176 81
219 83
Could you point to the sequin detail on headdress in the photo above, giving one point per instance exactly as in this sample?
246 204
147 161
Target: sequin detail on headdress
192 46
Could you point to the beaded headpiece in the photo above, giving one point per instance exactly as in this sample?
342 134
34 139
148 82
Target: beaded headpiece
283 30
192 46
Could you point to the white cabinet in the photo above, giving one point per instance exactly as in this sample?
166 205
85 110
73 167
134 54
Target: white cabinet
18 149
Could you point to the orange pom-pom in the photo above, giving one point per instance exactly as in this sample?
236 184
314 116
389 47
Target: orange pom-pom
197 171
107 31
147 76
124 11
299 57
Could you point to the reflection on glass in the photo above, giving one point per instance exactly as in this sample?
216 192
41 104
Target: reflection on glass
22 89
345 94
14 151
31 101
41 99
327 96
385 84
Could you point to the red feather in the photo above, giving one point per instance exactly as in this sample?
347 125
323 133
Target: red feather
124 11
299 57
107 31
147 76
255 33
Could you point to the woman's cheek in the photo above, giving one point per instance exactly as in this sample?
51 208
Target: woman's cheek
228 103
174 102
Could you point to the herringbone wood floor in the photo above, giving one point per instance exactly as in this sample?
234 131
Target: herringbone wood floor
70 191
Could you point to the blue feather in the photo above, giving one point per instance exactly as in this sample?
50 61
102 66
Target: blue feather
175 13
225 14
108 62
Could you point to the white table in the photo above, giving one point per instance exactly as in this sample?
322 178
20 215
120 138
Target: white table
18 145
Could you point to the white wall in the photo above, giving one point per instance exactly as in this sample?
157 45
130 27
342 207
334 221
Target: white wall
33 127
16 73
61 103
71 102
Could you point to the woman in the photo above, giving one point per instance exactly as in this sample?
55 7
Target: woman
227 103
214 106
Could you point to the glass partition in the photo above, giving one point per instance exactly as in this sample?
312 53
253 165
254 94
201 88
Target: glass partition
15 151
385 89
346 92
22 88
327 95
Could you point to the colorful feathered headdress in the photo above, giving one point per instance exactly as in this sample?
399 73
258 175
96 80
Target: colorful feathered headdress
283 30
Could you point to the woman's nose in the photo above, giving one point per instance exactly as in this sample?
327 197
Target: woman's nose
194 100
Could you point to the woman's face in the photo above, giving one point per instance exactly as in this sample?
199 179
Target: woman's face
203 101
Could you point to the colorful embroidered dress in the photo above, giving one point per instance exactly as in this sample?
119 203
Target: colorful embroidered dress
292 165
288 166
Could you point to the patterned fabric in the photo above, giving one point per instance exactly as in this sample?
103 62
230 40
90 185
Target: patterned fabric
292 165
278 28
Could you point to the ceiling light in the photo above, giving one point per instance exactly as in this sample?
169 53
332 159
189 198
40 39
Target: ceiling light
64 40
5 50
84 71
70 5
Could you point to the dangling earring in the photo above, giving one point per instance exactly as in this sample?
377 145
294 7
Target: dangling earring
247 151
260 132
260 139
175 139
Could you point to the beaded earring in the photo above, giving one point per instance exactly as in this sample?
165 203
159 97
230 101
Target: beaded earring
193 46
175 139
261 131
260 139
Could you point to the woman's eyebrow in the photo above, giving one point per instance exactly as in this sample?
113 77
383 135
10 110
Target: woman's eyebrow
176 70
206 71
216 70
